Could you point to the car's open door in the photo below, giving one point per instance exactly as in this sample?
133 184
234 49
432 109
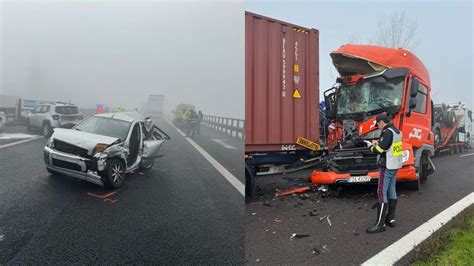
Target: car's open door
153 143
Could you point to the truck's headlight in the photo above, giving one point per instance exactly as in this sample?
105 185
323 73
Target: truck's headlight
405 156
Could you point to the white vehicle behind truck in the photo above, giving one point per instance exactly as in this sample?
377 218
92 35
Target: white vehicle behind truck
155 105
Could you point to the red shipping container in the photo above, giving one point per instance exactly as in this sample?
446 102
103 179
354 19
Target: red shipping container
281 84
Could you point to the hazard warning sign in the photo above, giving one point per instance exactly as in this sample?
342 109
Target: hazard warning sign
296 94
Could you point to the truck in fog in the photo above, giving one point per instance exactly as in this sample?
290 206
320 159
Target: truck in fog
155 105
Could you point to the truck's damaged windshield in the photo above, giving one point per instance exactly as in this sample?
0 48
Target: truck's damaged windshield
368 96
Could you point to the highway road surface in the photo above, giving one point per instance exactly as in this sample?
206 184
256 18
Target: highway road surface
341 239
182 212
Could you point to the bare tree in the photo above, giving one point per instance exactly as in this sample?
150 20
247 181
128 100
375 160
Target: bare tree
396 30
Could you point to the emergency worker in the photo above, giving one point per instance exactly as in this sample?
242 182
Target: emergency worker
389 159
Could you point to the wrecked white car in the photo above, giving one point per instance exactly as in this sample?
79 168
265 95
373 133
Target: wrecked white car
104 147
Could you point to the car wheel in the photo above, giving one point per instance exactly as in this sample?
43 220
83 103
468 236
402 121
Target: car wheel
47 130
146 167
28 125
115 173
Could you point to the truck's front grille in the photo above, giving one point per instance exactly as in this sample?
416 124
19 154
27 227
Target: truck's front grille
66 165
70 149
353 161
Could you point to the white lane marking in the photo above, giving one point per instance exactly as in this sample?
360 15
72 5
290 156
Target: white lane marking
404 245
225 144
464 155
19 142
239 186
16 136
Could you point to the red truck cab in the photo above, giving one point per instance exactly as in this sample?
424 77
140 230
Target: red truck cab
377 80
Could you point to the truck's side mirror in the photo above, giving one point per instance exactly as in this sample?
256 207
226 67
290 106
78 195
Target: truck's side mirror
414 87
412 103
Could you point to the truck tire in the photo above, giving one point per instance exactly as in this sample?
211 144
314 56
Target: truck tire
437 136
47 130
415 184
250 189
423 173
114 175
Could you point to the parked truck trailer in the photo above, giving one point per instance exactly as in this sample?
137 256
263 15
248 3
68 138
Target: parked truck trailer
155 105
281 97
452 126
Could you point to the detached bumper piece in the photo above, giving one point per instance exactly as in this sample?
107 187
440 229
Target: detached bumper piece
71 165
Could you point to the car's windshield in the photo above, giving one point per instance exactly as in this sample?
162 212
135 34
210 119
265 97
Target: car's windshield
105 126
368 96
67 110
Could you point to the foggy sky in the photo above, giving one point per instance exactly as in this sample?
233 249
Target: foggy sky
116 53
444 34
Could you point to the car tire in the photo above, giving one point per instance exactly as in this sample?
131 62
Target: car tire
28 125
114 174
148 167
47 130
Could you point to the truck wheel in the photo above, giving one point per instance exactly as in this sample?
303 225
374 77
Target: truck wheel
415 184
47 130
52 172
437 137
423 172
115 173
250 188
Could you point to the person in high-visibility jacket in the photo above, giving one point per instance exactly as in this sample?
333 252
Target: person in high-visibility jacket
389 158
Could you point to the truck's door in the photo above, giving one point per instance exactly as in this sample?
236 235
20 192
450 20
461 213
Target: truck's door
417 121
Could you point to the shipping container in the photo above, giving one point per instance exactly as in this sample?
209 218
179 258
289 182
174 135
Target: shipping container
281 84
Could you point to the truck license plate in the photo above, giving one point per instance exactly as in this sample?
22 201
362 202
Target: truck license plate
359 179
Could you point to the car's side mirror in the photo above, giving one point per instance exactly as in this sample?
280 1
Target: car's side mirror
414 88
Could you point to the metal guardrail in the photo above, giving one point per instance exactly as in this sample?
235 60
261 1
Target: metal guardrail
230 126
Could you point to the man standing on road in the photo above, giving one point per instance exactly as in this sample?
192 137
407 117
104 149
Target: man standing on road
389 158
201 116
193 119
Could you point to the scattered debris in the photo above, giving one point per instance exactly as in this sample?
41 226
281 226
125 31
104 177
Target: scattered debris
254 213
2 237
267 203
293 236
316 251
329 221
140 173
292 191
277 220
304 196
323 188
326 247
313 213
356 234
257 260
274 232
321 218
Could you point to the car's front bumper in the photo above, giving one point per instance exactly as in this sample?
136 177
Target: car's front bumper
71 165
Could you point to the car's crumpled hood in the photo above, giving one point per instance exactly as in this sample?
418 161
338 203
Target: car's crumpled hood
81 139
